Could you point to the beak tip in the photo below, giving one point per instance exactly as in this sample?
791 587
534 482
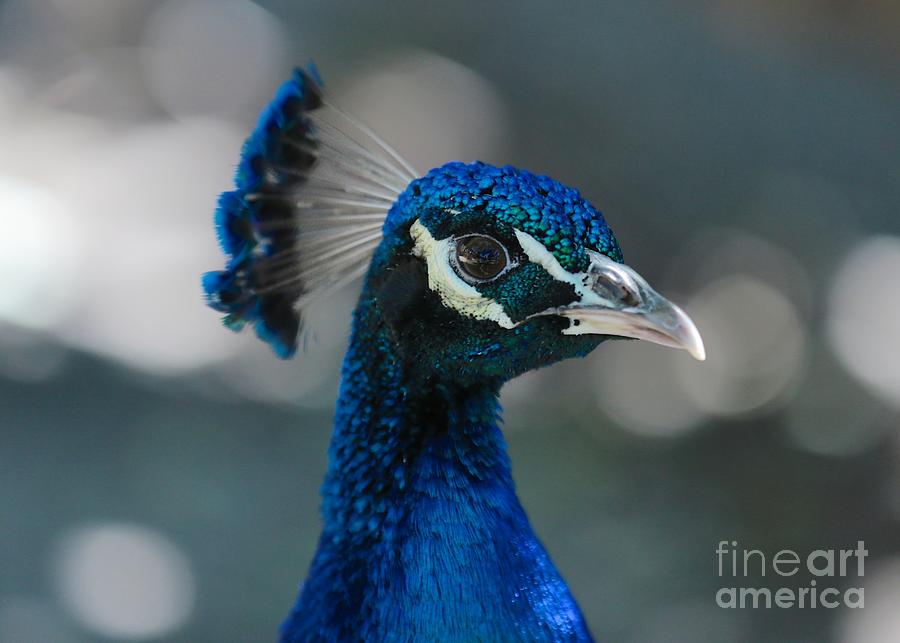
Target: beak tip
692 342
698 352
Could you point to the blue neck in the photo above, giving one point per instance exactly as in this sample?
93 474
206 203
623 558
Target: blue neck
424 538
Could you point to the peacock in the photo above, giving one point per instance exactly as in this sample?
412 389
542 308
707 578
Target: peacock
472 275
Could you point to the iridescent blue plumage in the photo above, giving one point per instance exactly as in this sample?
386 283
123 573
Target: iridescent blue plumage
274 161
558 215
424 538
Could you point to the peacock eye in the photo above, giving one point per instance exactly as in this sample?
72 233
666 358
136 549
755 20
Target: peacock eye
479 257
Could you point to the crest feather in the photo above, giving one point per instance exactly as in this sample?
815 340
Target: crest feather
313 188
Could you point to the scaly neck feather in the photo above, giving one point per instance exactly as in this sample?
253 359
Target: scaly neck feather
424 538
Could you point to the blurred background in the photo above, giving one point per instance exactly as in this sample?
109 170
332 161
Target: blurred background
159 475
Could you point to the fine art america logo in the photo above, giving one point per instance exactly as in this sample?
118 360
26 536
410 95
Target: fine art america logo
815 581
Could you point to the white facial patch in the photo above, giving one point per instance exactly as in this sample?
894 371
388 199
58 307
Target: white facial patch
453 291
538 253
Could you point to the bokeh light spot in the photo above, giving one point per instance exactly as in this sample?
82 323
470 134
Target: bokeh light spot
143 303
637 385
864 316
212 56
431 108
755 346
124 581
39 248
831 415
879 621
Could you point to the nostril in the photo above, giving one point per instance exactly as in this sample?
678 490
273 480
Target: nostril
611 287
629 298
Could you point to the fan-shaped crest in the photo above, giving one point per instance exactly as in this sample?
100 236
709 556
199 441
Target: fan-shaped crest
313 188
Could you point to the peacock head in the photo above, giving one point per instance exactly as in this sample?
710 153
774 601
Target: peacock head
472 272
489 272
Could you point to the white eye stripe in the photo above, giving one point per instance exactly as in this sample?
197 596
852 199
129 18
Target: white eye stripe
455 293
538 253
443 280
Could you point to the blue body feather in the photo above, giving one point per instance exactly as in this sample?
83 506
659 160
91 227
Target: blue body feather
424 538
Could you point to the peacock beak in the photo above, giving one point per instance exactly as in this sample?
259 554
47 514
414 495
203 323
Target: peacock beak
617 301
661 323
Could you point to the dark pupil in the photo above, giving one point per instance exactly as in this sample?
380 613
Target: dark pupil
480 257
